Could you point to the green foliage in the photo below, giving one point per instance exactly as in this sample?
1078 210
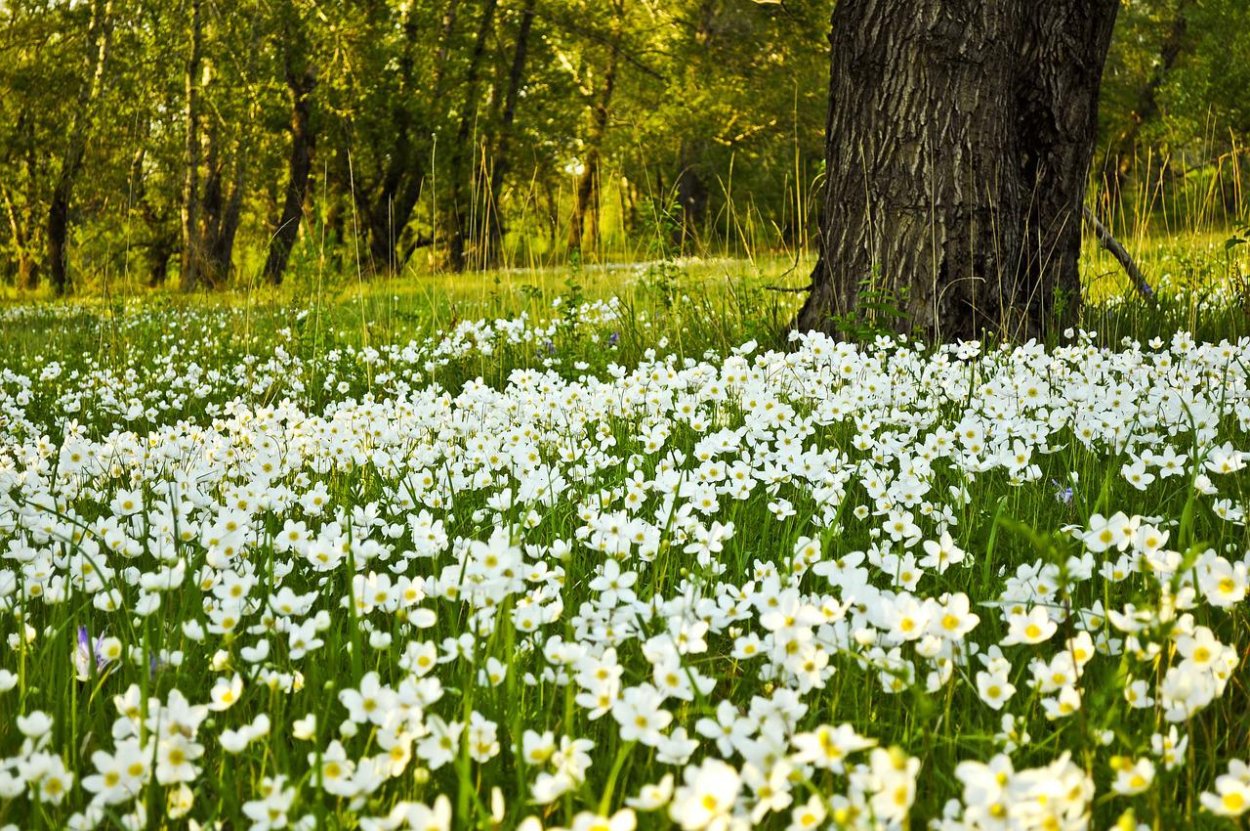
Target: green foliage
436 121
880 311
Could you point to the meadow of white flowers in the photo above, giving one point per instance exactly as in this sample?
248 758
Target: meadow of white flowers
826 587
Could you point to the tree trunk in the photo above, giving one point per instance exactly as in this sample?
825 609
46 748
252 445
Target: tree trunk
160 250
692 190
300 81
692 196
958 144
71 162
583 225
220 215
58 230
192 255
27 265
462 151
386 206
1119 161
501 163
447 28
162 236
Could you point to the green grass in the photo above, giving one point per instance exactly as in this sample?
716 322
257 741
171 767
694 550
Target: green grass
249 402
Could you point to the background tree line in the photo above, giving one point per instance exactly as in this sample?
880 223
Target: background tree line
200 142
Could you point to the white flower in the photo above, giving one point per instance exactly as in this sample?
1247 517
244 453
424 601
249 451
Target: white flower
225 693
305 728
893 777
34 725
1132 776
707 798
653 797
640 715
335 774
828 747
1232 792
175 759
1032 628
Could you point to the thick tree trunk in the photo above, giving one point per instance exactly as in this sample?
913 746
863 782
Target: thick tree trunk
958 145
192 254
300 82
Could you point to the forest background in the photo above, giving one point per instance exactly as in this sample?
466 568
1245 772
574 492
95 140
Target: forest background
209 143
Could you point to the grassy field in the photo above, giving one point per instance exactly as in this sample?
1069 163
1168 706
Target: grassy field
604 548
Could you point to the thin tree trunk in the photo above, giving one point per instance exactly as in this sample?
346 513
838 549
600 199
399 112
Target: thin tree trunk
139 195
27 264
1125 259
71 163
212 209
583 225
447 28
160 251
221 216
692 190
192 255
1119 161
958 142
162 237
501 163
58 229
462 192
692 196
387 207
24 223
300 82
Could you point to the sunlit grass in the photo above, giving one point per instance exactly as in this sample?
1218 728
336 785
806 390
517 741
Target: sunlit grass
381 535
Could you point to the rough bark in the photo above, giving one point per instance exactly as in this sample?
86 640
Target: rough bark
71 162
958 145
300 82
189 279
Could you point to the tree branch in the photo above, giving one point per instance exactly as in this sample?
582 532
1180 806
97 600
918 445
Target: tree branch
1115 249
